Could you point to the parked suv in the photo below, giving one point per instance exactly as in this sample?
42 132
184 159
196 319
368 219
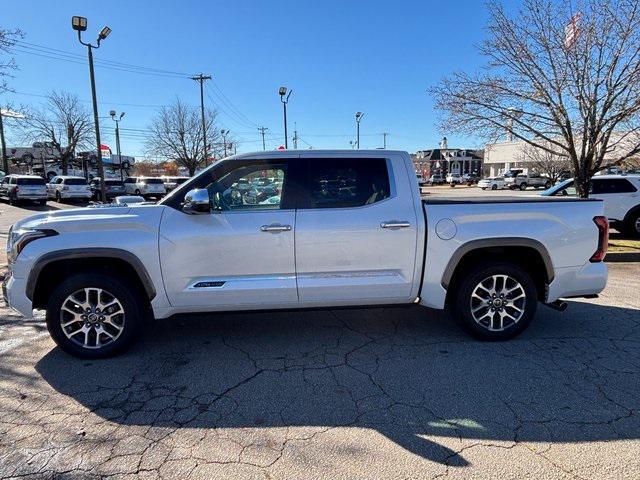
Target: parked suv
65 187
113 188
172 182
621 197
454 178
23 187
523 180
436 179
146 187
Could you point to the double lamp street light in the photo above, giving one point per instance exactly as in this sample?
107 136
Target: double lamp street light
79 24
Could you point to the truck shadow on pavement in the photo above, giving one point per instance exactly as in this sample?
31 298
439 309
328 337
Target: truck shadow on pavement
407 373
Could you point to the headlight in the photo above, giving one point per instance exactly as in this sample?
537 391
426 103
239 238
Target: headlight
18 239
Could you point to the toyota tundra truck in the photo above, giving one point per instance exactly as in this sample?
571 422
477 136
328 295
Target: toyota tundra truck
344 229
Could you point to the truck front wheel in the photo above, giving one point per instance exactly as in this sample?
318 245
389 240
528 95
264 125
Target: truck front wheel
495 301
94 315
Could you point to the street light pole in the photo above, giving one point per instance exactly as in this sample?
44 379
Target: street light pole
224 134
5 161
284 98
359 116
117 120
80 25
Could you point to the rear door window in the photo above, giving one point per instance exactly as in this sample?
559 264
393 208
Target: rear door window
611 185
346 183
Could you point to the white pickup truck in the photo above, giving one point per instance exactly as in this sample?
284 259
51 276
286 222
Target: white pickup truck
344 228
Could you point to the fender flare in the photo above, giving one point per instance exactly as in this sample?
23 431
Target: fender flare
97 252
472 245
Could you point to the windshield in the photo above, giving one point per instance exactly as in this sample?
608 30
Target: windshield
152 181
563 188
30 181
114 183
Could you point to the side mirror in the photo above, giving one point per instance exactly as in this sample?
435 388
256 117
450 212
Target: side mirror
196 202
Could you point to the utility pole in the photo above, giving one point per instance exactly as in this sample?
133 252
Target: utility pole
384 140
295 135
262 130
201 78
5 162
112 113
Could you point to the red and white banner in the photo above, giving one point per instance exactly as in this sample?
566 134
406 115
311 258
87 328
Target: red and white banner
572 31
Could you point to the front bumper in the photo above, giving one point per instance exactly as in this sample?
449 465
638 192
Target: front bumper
13 291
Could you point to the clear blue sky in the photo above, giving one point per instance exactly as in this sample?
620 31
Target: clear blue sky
338 56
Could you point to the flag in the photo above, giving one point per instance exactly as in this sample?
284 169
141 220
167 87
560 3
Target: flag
572 31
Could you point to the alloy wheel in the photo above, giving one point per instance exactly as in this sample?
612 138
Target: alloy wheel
92 318
498 302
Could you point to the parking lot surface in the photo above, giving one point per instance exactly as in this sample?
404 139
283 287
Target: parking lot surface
358 393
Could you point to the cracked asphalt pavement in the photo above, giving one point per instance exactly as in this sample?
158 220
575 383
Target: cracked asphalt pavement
355 393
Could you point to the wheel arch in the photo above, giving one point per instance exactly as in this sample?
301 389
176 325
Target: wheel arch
46 270
525 252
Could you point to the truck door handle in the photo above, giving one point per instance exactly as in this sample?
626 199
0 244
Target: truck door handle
275 227
395 224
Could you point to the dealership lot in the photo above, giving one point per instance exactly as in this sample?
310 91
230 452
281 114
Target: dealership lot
362 393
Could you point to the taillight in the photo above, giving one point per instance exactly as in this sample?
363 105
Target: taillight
603 238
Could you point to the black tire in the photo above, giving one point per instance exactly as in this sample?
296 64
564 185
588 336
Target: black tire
42 202
483 188
464 302
137 192
632 225
58 197
523 186
120 289
494 187
547 185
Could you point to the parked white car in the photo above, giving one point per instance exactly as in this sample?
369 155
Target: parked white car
523 180
621 197
493 183
454 178
67 187
351 232
16 188
146 187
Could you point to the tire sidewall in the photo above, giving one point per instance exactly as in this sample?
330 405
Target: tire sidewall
124 292
462 309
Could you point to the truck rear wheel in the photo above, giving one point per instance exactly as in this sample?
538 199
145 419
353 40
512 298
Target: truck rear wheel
495 301
523 186
632 226
94 315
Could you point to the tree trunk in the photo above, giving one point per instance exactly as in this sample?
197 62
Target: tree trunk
64 163
192 170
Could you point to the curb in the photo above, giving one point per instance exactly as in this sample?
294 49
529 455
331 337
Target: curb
622 257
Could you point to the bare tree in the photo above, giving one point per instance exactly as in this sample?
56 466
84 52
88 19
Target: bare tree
562 76
176 134
61 121
545 162
7 62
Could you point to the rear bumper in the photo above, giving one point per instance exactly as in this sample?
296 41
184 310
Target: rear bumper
13 291
31 197
75 194
589 279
